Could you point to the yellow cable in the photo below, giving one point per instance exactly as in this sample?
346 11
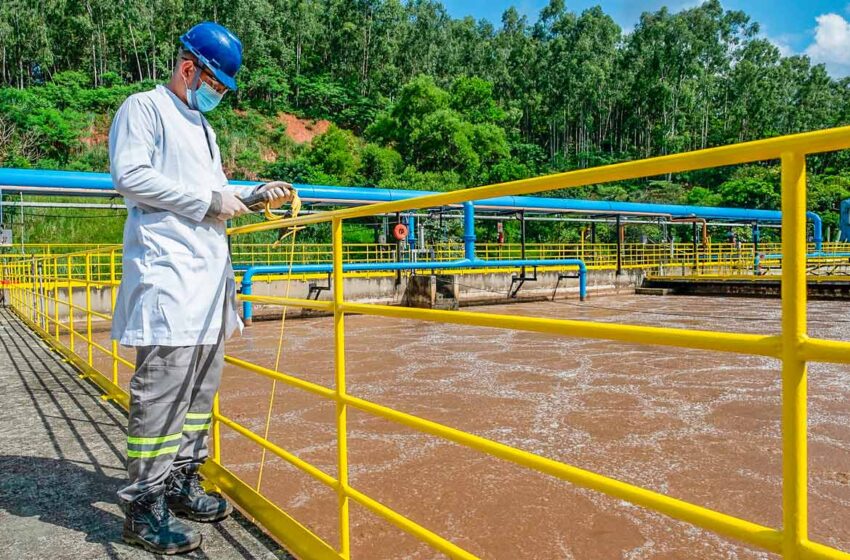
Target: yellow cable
295 209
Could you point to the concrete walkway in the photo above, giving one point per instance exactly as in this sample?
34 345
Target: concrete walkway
62 459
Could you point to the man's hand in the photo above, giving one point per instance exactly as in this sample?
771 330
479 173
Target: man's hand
277 193
231 206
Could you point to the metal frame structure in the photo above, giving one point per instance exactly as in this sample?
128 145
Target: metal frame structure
35 282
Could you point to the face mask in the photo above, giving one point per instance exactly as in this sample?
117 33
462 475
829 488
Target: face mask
202 97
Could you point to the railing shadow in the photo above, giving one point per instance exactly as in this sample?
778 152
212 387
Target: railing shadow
60 492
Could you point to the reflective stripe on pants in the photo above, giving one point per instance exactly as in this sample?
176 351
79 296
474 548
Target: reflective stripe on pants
171 397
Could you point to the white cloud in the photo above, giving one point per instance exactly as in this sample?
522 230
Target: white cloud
781 43
832 44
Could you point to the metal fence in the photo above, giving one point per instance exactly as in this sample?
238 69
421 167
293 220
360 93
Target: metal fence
740 258
37 286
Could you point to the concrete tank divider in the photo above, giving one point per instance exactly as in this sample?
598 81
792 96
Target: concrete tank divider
472 289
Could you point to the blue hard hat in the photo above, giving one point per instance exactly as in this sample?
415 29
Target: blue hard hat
217 48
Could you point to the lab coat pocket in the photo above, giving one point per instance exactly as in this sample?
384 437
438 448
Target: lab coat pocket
164 236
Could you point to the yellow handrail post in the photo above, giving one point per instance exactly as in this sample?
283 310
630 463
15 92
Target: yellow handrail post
70 304
216 428
216 440
794 468
56 296
339 378
29 290
38 293
90 351
113 293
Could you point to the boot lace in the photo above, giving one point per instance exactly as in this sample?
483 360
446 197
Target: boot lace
193 485
159 509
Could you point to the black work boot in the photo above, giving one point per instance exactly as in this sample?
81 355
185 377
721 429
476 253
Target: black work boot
149 524
187 498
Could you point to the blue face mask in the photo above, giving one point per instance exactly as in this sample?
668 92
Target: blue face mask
202 97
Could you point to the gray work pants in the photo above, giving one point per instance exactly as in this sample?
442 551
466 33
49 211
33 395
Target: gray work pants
171 397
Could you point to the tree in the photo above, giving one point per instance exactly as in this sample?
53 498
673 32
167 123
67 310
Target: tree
337 154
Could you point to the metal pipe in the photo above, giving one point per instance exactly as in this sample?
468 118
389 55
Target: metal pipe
817 224
469 231
619 247
100 184
583 220
522 238
26 204
694 245
756 239
254 270
411 231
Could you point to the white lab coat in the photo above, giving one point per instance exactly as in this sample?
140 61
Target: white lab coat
177 280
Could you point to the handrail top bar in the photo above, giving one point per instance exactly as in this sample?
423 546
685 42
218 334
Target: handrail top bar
806 143
102 250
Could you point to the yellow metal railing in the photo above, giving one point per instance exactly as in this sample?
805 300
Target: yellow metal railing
34 283
311 253
665 259
46 249
716 258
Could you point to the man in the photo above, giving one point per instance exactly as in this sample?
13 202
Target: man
176 302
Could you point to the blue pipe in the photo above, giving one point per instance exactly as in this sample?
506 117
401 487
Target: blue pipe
61 182
818 227
253 270
469 231
411 231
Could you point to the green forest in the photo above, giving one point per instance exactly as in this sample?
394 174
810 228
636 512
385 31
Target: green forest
421 100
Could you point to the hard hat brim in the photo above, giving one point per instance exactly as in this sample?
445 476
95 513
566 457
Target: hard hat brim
227 81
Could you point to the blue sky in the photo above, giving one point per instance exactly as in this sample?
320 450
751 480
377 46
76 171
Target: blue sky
819 28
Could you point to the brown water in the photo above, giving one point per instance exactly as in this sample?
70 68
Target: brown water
699 426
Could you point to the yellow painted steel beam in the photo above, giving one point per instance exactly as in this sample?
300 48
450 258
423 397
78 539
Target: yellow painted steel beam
113 294
759 150
100 347
290 458
285 378
339 394
410 527
102 248
819 350
290 302
794 453
297 538
814 551
764 537
747 277
94 313
762 345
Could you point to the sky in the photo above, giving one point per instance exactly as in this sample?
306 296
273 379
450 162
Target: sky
818 28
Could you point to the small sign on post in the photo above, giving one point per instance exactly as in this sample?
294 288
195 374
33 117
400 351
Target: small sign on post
5 237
